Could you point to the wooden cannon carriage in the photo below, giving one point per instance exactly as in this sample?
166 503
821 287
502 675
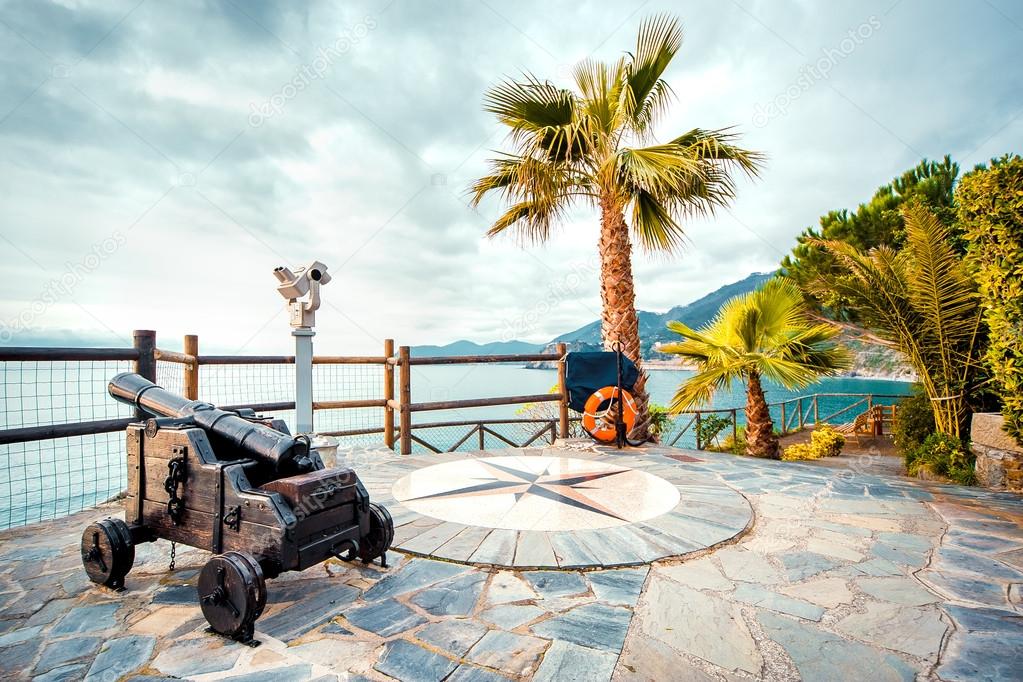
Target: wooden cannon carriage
239 486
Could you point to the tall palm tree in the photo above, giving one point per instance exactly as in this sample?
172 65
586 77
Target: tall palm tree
596 144
922 301
763 334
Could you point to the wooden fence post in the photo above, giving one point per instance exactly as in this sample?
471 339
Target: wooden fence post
799 406
784 426
816 411
144 341
698 431
735 429
563 404
388 394
405 399
191 347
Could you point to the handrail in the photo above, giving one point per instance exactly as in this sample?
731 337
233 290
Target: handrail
48 354
479 359
26 434
483 402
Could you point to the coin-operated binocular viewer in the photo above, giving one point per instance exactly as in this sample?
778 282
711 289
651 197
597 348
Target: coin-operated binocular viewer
302 291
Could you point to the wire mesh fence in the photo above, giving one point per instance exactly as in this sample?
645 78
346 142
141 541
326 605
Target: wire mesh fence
52 478
246 384
40 393
171 375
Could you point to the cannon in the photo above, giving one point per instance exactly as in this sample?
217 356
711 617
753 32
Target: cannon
235 484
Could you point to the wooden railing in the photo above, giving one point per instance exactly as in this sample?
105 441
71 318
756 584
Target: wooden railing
795 413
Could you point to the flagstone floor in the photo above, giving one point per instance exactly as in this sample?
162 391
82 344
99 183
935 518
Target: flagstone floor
833 575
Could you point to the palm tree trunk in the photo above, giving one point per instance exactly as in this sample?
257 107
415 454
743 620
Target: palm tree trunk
619 323
760 438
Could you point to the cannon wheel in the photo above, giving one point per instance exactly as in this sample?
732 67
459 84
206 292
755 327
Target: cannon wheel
260 584
381 534
232 592
108 552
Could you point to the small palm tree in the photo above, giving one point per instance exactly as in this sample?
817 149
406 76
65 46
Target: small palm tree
762 334
922 301
595 144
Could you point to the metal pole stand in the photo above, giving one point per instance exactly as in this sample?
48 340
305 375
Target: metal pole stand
303 379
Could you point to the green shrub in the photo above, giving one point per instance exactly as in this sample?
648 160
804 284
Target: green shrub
824 442
990 206
914 421
711 426
736 445
943 455
659 419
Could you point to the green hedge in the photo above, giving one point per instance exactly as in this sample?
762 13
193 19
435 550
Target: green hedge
990 205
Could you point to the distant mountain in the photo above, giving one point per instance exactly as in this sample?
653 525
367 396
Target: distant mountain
652 329
464 347
869 360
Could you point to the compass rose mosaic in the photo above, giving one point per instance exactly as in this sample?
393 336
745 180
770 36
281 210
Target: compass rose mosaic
536 493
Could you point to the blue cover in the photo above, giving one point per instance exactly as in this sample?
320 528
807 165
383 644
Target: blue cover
587 372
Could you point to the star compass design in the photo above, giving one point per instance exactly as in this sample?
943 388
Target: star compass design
535 493
569 489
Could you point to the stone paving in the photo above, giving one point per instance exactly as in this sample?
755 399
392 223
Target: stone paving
842 576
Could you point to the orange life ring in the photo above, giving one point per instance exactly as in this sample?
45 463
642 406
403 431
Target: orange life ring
601 424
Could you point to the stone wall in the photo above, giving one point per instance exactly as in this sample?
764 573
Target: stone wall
999 457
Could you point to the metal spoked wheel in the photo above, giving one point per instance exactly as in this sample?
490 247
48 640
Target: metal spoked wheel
381 534
232 594
108 552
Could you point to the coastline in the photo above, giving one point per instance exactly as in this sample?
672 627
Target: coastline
902 375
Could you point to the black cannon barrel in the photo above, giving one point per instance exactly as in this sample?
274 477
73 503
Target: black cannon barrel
285 453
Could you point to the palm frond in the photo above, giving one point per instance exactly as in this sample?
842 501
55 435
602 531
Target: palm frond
719 145
700 389
659 40
655 228
530 104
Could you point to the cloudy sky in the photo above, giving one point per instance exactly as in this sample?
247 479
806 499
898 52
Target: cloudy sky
158 160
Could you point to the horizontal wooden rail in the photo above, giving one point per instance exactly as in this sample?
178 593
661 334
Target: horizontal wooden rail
33 354
260 407
484 402
473 422
477 359
246 359
174 356
347 404
184 358
49 431
353 432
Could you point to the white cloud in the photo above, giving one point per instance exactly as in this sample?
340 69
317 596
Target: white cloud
146 129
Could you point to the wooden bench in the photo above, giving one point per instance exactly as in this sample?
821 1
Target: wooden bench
857 428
